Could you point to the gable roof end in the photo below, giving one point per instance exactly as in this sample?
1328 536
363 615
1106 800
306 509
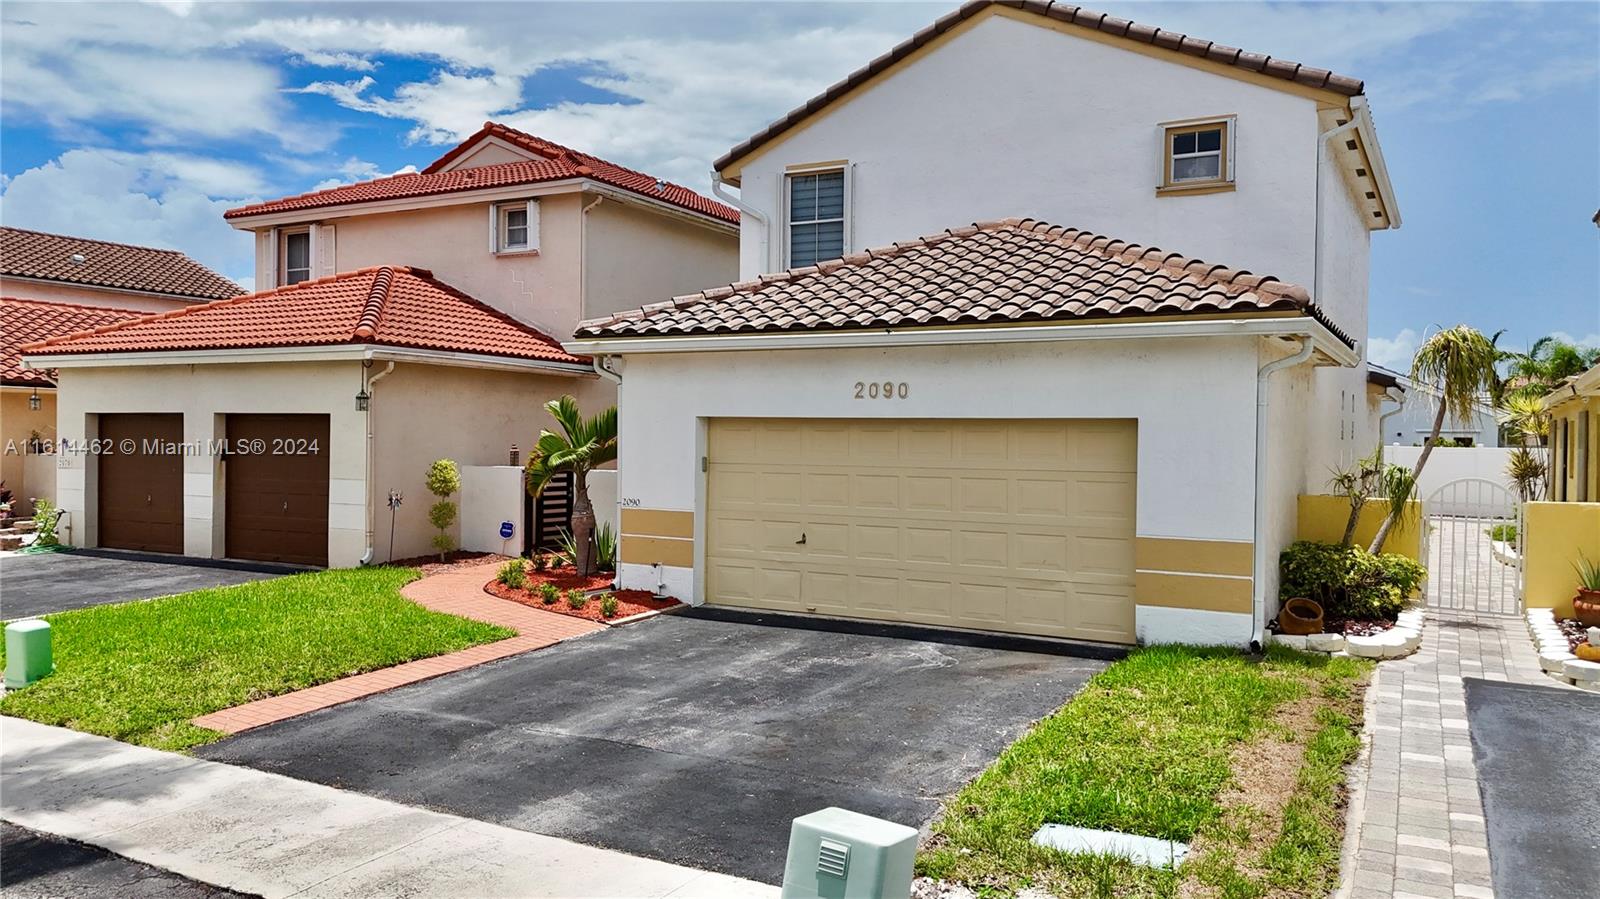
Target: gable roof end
551 162
1308 76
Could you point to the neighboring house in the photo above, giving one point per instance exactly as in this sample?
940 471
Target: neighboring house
51 285
1049 429
1575 439
87 272
404 320
28 395
1411 424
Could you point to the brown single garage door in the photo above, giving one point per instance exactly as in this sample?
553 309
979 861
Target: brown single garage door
1018 526
140 487
277 481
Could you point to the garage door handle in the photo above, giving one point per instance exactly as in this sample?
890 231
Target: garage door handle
802 540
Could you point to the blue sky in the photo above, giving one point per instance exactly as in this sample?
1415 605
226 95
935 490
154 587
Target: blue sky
144 121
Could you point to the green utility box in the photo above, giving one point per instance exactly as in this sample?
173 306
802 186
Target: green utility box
840 854
27 652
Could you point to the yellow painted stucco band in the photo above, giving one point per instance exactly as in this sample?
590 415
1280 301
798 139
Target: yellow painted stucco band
1193 556
1554 534
658 523
650 550
1192 591
1322 518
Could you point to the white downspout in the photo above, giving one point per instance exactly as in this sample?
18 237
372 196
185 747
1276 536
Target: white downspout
745 209
1398 397
366 557
1259 568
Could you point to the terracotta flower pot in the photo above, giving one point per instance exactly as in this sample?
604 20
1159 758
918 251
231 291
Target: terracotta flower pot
1300 616
1586 607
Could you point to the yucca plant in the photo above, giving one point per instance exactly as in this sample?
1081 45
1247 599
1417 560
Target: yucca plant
605 547
583 445
1527 470
1588 574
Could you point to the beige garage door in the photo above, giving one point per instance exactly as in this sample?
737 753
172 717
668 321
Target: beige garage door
1018 526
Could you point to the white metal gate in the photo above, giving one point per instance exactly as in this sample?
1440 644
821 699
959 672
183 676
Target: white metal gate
1472 542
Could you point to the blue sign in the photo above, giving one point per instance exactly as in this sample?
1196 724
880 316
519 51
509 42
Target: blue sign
507 529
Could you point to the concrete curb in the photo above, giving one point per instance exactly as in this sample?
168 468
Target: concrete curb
1357 780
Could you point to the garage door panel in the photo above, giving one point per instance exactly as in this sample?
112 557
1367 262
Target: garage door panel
140 494
277 497
1008 526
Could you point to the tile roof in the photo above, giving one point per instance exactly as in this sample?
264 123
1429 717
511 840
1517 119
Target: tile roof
30 321
556 163
1015 270
386 305
119 266
1064 12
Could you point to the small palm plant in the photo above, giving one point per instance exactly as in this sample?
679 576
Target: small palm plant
583 445
1459 365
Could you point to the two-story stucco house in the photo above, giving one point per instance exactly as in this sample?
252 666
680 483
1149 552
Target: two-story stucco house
400 321
55 284
992 385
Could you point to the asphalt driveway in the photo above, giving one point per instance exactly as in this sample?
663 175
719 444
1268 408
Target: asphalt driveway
681 739
1537 757
41 583
40 866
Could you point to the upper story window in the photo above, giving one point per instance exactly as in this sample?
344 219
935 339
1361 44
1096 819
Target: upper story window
816 216
294 257
1197 154
515 227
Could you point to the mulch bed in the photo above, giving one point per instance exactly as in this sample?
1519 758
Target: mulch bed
460 558
629 602
566 577
1575 632
1358 627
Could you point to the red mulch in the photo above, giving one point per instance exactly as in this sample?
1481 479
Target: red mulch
1359 627
566 577
629 602
1574 631
460 558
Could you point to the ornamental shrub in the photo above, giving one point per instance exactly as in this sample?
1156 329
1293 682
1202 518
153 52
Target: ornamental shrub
540 561
608 606
549 593
513 575
576 598
444 479
45 518
1347 581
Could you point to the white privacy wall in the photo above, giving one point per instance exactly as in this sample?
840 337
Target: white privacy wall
1194 401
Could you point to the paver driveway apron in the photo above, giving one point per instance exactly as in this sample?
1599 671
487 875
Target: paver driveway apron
681 739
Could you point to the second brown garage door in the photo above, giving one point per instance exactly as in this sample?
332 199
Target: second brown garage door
140 485
277 481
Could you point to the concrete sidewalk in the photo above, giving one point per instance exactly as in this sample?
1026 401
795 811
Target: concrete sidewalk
264 833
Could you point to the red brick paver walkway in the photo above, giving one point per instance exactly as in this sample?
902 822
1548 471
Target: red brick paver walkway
458 592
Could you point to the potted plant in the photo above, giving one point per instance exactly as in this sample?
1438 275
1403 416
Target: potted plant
1586 605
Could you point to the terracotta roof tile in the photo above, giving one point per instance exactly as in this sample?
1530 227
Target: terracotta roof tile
1017 270
387 306
556 163
101 263
30 321
1065 12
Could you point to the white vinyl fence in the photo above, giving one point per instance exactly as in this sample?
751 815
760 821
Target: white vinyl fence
1448 464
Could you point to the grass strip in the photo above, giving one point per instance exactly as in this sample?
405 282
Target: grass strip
139 671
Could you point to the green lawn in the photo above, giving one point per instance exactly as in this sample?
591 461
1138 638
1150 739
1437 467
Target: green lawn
1148 748
139 671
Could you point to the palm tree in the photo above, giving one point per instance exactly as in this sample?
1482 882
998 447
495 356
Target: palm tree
1547 363
1458 364
583 446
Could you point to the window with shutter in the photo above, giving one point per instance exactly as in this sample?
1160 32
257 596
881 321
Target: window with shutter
816 217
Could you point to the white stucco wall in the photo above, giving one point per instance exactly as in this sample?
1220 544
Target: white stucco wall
1194 401
491 494
203 394
1454 463
1076 143
633 257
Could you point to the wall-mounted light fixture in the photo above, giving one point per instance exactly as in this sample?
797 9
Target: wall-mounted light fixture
363 400
33 400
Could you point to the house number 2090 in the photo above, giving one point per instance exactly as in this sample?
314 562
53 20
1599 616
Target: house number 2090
882 390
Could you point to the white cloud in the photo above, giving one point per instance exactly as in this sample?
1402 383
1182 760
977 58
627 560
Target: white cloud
133 199
1590 341
353 170
445 109
1393 352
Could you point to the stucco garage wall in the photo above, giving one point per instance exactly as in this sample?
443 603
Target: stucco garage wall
426 412
17 422
1194 401
204 394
